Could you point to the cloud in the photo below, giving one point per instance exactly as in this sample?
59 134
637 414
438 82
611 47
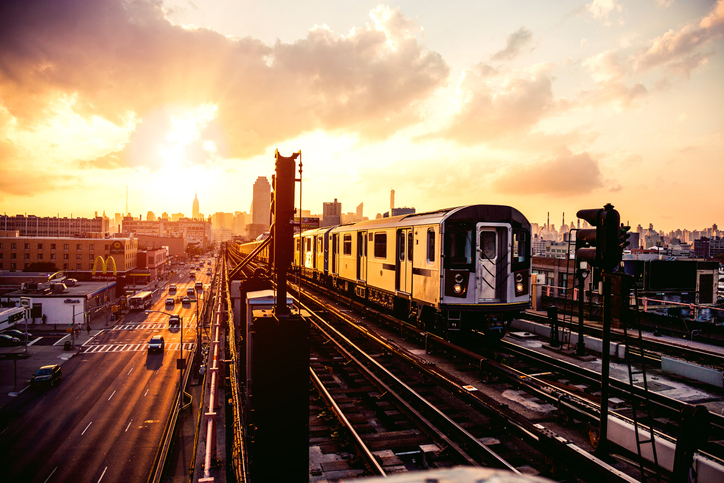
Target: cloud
494 107
516 41
601 8
121 58
680 51
609 73
564 174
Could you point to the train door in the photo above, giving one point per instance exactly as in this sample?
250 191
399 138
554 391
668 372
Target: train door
403 261
335 253
361 255
315 253
489 254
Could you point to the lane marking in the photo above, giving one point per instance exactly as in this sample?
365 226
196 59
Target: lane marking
111 395
146 393
129 372
50 475
129 425
62 339
86 428
102 474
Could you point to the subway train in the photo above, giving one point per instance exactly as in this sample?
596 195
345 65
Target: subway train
451 270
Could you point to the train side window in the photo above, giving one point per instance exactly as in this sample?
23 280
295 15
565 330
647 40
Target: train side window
380 245
401 246
409 245
430 245
347 245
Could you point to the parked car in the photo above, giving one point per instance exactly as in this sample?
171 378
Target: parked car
156 343
170 301
16 333
49 375
8 340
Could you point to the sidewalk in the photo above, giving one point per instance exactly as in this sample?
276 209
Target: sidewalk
16 379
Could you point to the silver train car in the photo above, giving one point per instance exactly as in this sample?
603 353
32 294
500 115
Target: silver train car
457 269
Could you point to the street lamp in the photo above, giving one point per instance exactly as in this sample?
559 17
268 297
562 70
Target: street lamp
181 349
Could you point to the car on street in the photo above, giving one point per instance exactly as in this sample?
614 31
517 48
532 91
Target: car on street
50 375
156 343
190 291
175 319
208 271
8 340
185 300
172 288
17 333
170 301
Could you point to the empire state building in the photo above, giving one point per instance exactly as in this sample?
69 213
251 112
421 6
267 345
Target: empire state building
195 209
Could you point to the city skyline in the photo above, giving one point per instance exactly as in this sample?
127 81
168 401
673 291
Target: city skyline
547 108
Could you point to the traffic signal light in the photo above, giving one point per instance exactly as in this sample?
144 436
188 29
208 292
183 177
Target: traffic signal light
604 251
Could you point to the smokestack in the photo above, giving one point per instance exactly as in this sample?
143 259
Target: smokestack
548 222
392 201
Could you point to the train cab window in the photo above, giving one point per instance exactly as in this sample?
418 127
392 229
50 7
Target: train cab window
430 245
380 245
347 245
521 249
298 244
488 245
459 247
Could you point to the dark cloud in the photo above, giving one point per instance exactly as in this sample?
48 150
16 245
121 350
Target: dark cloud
565 174
516 41
117 57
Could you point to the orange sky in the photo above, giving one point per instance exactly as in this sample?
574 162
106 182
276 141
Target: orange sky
549 108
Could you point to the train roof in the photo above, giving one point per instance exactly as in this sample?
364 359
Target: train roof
491 213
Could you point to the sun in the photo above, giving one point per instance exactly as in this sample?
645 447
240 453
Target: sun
186 129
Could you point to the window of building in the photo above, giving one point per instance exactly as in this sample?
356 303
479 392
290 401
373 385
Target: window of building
107 248
65 266
66 247
27 246
78 266
91 247
91 257
52 256
27 265
1 246
347 244
13 246
430 245
52 246
1 255
13 256
78 246
40 256
66 256
79 257
27 256
12 266
380 245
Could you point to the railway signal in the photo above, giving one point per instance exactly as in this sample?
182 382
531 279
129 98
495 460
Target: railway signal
603 250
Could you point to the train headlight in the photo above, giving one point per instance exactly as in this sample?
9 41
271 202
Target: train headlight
458 288
519 287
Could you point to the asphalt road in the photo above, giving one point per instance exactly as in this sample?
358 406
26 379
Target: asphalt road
105 420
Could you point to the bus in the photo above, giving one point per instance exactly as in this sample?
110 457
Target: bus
141 301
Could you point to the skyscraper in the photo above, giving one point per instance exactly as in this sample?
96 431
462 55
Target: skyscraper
261 199
195 209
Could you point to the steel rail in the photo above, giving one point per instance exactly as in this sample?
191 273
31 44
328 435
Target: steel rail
462 432
361 446
544 439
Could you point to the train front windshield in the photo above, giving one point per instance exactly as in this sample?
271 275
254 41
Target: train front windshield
459 247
